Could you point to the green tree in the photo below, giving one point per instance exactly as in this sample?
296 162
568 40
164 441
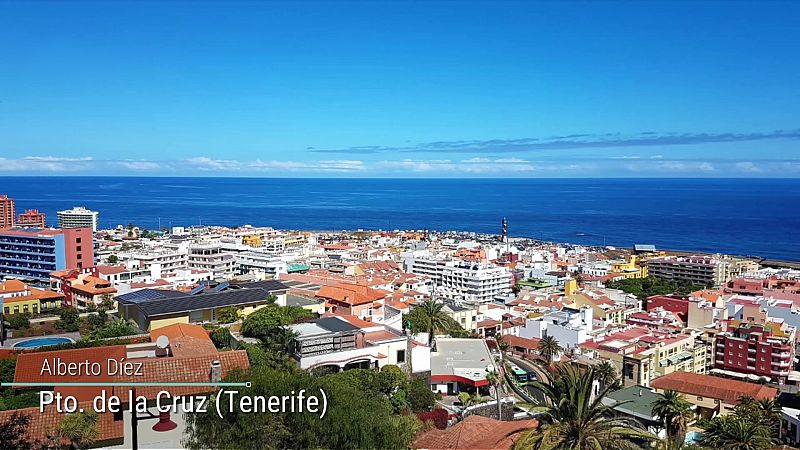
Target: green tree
420 397
14 431
674 412
118 328
79 429
264 320
68 320
733 432
228 315
20 321
355 418
576 419
221 337
549 348
112 259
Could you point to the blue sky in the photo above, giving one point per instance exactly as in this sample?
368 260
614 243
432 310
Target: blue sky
401 89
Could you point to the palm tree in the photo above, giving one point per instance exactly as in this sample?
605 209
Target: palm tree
575 419
435 318
736 433
674 412
607 374
770 411
549 348
79 428
494 380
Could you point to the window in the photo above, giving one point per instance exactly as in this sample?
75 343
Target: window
25 308
401 356
78 248
78 240
700 398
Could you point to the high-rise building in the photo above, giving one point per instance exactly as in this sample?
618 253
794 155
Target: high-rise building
78 217
32 218
34 254
6 211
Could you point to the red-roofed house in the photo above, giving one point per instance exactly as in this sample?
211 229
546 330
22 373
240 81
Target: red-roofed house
353 299
475 432
712 395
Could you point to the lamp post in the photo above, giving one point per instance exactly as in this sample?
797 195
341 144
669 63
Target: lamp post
164 421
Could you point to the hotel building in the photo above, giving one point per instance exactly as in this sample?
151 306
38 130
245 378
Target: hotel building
34 253
78 217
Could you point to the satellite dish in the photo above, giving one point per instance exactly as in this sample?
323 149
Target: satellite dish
162 342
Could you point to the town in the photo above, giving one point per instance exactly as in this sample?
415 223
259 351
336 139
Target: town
476 331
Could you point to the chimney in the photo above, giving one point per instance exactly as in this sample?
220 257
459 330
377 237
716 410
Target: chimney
216 371
640 392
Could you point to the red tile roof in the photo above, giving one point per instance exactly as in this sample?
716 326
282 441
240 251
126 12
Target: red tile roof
45 422
724 389
473 433
352 294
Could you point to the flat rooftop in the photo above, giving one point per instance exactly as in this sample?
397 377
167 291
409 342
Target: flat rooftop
467 358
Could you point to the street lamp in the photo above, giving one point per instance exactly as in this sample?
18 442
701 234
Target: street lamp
164 422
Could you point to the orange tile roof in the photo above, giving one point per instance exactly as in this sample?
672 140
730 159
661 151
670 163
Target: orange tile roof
724 389
180 329
475 432
36 294
12 285
351 294
45 422
92 285
521 342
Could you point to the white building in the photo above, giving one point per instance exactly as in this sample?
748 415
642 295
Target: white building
463 281
212 257
570 327
78 217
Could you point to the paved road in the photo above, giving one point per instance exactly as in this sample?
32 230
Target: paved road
527 365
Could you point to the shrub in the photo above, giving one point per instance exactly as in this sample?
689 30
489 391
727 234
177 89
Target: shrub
20 321
221 337
437 416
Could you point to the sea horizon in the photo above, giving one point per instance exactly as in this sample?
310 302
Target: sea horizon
709 215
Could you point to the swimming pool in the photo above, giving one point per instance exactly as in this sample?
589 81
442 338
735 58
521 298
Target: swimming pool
693 437
42 342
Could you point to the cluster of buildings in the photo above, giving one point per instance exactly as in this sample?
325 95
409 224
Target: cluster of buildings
740 327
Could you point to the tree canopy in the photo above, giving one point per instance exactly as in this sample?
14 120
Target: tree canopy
361 414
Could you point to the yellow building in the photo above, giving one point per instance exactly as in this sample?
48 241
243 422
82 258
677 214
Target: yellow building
641 355
17 297
632 268
252 240
153 313
603 308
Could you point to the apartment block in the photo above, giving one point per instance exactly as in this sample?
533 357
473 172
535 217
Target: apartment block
32 218
33 253
755 349
699 270
6 211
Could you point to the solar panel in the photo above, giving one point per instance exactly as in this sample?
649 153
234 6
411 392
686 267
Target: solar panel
197 290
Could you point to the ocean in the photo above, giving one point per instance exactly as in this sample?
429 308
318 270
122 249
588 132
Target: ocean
739 216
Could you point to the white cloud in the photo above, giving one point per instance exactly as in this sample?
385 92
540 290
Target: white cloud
140 165
206 163
747 166
57 158
44 164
